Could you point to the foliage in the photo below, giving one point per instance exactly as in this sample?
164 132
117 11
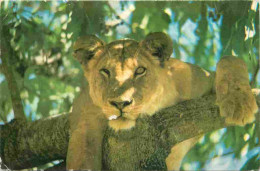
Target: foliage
49 78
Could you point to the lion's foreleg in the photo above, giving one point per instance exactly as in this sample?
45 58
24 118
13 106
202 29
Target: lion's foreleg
85 145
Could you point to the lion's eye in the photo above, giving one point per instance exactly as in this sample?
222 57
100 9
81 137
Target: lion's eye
105 72
140 71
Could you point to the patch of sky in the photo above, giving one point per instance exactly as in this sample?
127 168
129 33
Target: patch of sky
254 50
226 162
46 16
57 162
212 68
222 131
115 5
184 55
173 28
31 108
32 76
2 78
10 116
189 40
125 15
188 36
191 166
214 28
27 110
250 76
221 148
213 43
132 5
34 107
122 30
54 105
33 116
27 12
191 60
173 31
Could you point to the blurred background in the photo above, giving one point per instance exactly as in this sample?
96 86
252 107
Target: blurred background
41 35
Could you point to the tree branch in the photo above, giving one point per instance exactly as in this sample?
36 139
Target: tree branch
7 52
144 147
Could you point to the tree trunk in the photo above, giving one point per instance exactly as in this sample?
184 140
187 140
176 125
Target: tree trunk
26 145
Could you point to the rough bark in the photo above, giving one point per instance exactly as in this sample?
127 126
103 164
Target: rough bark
26 145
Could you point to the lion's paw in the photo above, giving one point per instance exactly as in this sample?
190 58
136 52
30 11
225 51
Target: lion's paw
234 96
238 106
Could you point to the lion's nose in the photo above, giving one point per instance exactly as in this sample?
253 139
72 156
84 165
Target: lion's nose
120 105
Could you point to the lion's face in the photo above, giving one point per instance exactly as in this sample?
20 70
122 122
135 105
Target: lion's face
124 78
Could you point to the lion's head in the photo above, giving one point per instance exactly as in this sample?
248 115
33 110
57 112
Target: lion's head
124 76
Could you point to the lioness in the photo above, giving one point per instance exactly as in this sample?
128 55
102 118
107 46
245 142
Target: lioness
128 79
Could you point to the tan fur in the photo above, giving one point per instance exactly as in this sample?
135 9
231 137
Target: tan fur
174 159
164 83
234 96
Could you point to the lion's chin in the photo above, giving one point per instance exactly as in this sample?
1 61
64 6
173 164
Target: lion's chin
121 124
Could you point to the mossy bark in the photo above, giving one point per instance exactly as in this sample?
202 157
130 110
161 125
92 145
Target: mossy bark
26 145
149 143
144 147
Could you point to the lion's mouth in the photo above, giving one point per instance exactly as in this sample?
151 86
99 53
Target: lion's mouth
114 117
122 116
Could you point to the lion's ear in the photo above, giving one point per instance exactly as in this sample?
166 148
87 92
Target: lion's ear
85 48
158 44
